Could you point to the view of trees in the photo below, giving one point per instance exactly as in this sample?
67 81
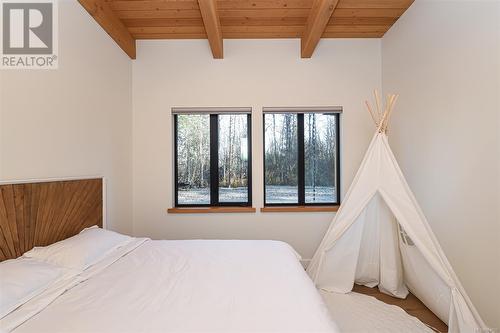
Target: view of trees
281 164
320 144
193 158
281 149
281 157
233 158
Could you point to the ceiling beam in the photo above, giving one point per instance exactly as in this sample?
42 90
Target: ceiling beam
317 21
104 15
211 21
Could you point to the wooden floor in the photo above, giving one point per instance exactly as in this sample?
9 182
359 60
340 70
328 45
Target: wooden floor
411 305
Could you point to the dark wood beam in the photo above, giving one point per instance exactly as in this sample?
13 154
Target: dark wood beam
104 15
317 21
211 21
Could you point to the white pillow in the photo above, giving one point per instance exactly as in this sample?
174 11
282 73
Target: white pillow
80 251
22 279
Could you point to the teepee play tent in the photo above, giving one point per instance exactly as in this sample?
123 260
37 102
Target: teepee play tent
380 237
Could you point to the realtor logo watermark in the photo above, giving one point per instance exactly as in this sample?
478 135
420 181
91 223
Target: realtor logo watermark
29 34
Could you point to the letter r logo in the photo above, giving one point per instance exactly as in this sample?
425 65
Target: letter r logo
27 28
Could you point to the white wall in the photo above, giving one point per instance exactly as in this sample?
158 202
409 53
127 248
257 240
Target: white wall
75 120
443 58
253 73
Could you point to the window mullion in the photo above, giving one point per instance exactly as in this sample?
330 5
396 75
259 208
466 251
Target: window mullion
337 156
301 160
249 159
214 159
176 161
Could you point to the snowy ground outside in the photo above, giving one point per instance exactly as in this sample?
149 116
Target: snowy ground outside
274 194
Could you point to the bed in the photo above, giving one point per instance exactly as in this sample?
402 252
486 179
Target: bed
146 285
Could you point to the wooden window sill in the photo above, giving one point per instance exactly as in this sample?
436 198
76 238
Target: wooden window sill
299 209
207 210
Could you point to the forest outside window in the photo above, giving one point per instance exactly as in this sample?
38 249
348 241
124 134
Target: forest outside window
301 156
212 157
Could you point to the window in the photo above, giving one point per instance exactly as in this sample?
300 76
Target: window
212 157
301 159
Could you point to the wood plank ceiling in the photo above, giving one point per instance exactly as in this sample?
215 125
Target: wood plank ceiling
215 20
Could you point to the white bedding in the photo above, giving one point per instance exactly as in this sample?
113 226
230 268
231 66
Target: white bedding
182 286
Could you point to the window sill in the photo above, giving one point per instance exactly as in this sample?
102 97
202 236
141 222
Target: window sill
210 210
299 209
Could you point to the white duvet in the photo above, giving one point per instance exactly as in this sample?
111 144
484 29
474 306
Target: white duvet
182 286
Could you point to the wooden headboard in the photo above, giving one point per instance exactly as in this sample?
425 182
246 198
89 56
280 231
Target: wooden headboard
42 213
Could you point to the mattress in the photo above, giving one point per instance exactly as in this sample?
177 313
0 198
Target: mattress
182 286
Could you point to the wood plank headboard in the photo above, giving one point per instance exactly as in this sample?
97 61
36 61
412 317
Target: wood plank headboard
42 213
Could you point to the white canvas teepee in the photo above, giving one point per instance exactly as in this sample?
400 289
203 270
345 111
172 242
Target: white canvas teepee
380 237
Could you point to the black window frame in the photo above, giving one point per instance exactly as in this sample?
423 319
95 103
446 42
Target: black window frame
301 161
214 163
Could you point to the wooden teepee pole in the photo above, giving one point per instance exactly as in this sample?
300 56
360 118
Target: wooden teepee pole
381 119
377 103
372 113
381 127
394 98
